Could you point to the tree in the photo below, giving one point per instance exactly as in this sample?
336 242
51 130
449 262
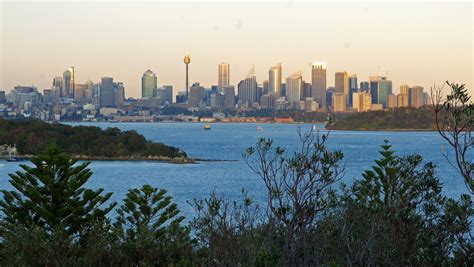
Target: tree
454 117
396 215
232 233
298 189
51 195
148 229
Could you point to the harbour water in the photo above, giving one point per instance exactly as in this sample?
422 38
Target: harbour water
227 141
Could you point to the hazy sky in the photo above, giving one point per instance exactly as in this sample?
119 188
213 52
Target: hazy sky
415 43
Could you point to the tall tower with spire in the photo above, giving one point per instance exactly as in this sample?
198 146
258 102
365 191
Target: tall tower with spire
187 60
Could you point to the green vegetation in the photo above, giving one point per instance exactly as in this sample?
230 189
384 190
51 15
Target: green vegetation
407 118
454 117
394 215
31 137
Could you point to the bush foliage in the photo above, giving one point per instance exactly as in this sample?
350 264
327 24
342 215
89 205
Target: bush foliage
34 136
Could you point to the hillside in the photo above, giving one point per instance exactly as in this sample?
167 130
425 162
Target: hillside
33 136
392 119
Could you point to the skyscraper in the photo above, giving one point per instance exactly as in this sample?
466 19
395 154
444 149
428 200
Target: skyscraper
404 89
402 100
224 76
403 97
352 87
107 92
274 80
149 84
168 93
342 83
119 94
79 92
294 87
364 86
416 96
247 89
196 95
339 102
67 88
384 90
391 101
229 97
3 99
265 87
187 60
318 83
358 101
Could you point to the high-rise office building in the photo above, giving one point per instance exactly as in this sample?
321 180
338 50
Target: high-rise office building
119 94
339 102
402 100
364 86
167 93
229 97
197 94
357 101
306 90
318 83
217 100
342 83
380 88
353 87
329 93
267 101
3 99
107 92
223 76
374 87
89 91
47 96
385 89
404 89
247 90
265 87
57 87
403 97
294 87
149 84
274 80
416 96
79 92
392 101
67 88
21 95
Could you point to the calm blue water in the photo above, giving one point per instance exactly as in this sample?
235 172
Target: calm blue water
229 141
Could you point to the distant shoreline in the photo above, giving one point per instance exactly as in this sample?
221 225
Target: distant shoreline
385 130
236 122
196 122
180 160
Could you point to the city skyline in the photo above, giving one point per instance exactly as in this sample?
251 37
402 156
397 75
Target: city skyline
422 56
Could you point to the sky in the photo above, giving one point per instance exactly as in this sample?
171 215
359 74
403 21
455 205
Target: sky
417 43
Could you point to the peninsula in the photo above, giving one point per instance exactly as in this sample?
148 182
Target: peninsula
31 136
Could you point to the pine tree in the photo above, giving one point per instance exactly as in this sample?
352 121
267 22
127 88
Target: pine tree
148 228
50 195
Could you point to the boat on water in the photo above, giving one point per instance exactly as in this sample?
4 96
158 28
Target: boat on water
207 127
314 127
259 129
14 159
